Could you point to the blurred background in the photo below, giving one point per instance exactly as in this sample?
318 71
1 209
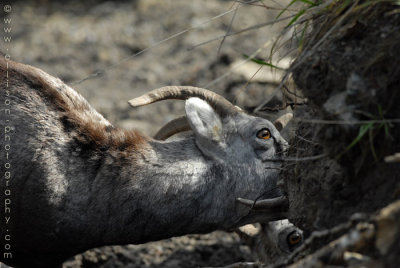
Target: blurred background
112 51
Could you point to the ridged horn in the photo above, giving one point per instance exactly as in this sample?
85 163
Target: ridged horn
173 127
282 121
219 103
264 204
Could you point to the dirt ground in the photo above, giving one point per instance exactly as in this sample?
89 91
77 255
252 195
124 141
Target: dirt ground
352 79
74 40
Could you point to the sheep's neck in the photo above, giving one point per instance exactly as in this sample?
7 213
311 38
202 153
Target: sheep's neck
168 193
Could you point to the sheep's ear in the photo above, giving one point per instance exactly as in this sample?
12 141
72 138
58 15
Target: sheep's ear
205 122
207 127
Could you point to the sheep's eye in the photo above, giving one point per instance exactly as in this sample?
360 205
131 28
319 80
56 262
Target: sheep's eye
264 134
294 238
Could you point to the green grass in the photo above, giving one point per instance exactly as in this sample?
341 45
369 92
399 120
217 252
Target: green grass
373 129
262 62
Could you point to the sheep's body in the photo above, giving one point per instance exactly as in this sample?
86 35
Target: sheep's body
77 182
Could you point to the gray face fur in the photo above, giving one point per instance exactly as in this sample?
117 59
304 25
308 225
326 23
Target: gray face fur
280 239
78 182
274 241
232 139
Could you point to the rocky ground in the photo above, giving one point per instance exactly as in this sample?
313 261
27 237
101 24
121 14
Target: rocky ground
77 40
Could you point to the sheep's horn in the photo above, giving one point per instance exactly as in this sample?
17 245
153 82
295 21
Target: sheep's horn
282 121
219 103
173 127
264 204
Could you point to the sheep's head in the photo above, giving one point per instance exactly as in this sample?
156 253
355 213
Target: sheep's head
250 146
280 239
218 124
274 241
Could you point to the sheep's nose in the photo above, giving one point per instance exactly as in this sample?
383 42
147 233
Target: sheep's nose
283 146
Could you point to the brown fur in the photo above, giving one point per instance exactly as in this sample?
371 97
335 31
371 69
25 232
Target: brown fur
75 112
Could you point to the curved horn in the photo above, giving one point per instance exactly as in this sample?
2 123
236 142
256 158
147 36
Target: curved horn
268 204
173 127
219 103
282 121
